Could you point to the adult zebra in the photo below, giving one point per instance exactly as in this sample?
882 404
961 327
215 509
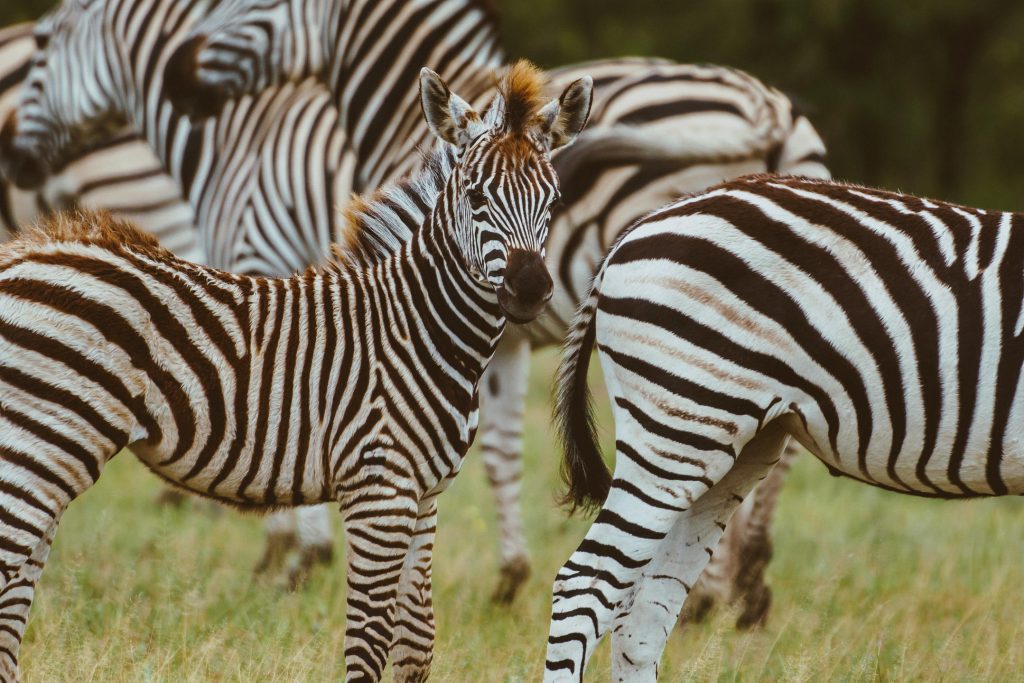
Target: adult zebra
884 332
354 383
119 173
658 130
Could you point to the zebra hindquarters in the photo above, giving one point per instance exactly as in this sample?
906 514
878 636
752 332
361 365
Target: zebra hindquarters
643 625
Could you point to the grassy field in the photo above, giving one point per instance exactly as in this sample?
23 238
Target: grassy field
868 586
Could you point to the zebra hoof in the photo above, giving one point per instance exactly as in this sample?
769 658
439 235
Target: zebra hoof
513 575
696 609
274 554
755 610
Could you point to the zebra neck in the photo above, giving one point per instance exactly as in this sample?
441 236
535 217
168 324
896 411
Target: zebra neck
462 316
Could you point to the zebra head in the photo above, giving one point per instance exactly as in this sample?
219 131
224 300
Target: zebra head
505 184
86 78
54 99
242 47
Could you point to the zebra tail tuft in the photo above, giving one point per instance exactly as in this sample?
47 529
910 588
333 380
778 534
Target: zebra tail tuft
584 471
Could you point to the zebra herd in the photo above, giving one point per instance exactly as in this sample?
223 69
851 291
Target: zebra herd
349 356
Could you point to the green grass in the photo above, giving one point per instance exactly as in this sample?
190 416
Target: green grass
868 586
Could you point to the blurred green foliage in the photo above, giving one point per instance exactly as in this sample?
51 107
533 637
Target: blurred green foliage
925 96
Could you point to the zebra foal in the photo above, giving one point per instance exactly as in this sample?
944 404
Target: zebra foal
354 383
883 332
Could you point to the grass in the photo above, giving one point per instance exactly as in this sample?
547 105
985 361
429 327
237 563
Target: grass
868 586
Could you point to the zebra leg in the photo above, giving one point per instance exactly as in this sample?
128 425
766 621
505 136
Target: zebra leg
643 625
601 572
503 393
718 578
735 574
755 550
16 599
379 526
314 542
279 530
413 647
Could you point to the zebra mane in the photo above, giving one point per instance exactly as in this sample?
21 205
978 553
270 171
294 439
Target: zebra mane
521 93
378 224
99 228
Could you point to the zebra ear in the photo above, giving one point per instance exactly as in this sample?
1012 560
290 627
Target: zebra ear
561 120
449 116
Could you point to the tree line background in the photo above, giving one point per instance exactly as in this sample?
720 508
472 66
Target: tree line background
925 96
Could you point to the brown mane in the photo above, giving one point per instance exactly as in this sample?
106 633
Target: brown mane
522 88
90 227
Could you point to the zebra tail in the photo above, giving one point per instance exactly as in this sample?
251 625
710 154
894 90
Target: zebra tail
584 472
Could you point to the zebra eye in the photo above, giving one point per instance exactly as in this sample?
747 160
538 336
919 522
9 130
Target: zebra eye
477 198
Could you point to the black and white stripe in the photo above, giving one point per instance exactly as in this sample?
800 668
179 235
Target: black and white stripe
883 332
353 383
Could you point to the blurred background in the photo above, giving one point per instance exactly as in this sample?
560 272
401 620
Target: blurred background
924 96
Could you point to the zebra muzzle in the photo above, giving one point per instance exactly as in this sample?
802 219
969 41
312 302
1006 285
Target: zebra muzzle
527 286
19 162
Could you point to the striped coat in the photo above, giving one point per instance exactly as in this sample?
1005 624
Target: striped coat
119 173
883 332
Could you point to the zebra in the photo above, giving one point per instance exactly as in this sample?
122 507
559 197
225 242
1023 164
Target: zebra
883 332
658 130
354 382
119 173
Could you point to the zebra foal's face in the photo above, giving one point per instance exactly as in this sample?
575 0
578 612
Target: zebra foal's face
506 184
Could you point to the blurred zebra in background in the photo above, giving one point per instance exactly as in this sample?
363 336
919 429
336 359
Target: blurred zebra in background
119 173
882 331
658 130
355 382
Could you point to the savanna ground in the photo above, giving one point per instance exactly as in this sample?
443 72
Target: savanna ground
868 586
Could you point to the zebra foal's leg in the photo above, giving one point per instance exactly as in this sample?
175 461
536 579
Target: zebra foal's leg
413 647
380 519
646 619
38 480
503 393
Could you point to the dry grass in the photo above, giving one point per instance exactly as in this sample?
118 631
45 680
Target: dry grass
868 586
